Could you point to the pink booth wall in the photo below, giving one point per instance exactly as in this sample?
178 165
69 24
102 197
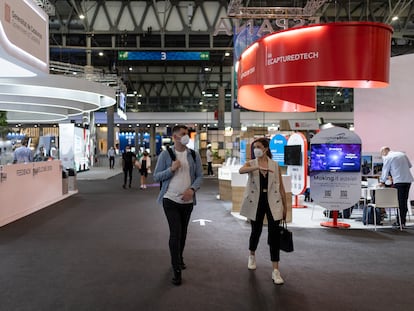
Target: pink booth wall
28 187
386 116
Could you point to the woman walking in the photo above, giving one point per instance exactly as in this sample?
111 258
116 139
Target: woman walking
264 195
144 168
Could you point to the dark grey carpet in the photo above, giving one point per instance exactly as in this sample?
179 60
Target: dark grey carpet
106 248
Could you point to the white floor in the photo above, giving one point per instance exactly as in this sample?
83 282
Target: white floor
312 216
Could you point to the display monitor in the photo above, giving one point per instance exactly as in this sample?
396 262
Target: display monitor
121 105
366 164
293 155
335 158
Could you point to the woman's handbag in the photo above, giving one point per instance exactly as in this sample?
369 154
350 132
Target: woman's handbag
286 238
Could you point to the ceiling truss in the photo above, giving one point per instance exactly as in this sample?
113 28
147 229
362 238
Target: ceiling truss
113 26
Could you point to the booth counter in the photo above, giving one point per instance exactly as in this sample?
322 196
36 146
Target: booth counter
225 177
232 185
28 187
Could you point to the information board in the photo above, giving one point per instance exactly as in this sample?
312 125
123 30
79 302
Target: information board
163 55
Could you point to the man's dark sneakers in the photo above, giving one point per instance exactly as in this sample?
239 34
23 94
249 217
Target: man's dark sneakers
176 280
182 264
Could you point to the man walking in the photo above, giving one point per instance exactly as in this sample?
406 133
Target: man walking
128 161
181 172
111 156
209 158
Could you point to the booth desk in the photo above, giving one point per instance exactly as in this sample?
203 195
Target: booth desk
225 178
28 187
232 185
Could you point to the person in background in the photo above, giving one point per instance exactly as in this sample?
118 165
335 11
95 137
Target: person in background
264 195
181 177
111 156
128 160
23 154
144 166
41 155
397 165
209 158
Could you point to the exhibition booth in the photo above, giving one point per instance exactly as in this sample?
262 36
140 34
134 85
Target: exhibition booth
28 187
29 94
340 179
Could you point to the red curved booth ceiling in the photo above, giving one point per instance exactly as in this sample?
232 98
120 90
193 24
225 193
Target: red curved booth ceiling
280 72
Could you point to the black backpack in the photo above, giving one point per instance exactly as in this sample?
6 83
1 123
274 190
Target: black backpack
173 157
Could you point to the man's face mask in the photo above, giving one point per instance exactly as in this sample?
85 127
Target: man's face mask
185 139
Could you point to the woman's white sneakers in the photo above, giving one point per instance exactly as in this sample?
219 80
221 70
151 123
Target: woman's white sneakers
277 279
251 265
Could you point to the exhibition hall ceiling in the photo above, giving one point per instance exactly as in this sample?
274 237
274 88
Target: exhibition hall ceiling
161 28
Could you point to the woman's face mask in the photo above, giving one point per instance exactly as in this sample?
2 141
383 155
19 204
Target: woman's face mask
258 153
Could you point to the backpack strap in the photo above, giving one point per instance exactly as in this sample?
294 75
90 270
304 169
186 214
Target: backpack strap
193 155
172 154
173 157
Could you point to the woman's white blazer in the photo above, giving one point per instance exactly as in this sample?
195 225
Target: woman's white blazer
252 192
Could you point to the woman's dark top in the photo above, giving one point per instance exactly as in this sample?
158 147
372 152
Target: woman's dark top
143 169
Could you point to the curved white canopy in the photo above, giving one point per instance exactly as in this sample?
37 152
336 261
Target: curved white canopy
51 98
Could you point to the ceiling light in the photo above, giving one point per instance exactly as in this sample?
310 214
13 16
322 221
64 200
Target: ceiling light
101 53
81 16
395 18
227 54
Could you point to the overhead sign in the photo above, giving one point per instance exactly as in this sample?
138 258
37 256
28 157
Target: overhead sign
163 55
24 33
303 125
280 72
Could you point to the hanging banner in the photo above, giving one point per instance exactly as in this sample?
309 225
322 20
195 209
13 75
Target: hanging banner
279 72
24 29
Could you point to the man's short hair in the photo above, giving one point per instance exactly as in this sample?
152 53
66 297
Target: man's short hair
385 148
178 127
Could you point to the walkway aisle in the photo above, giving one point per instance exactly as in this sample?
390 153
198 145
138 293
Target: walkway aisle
106 248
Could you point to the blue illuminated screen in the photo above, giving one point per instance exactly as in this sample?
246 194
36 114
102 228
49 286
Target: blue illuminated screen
335 158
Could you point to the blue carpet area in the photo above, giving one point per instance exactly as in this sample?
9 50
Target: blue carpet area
106 248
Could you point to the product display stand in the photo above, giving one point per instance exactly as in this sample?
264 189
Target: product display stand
334 223
297 205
